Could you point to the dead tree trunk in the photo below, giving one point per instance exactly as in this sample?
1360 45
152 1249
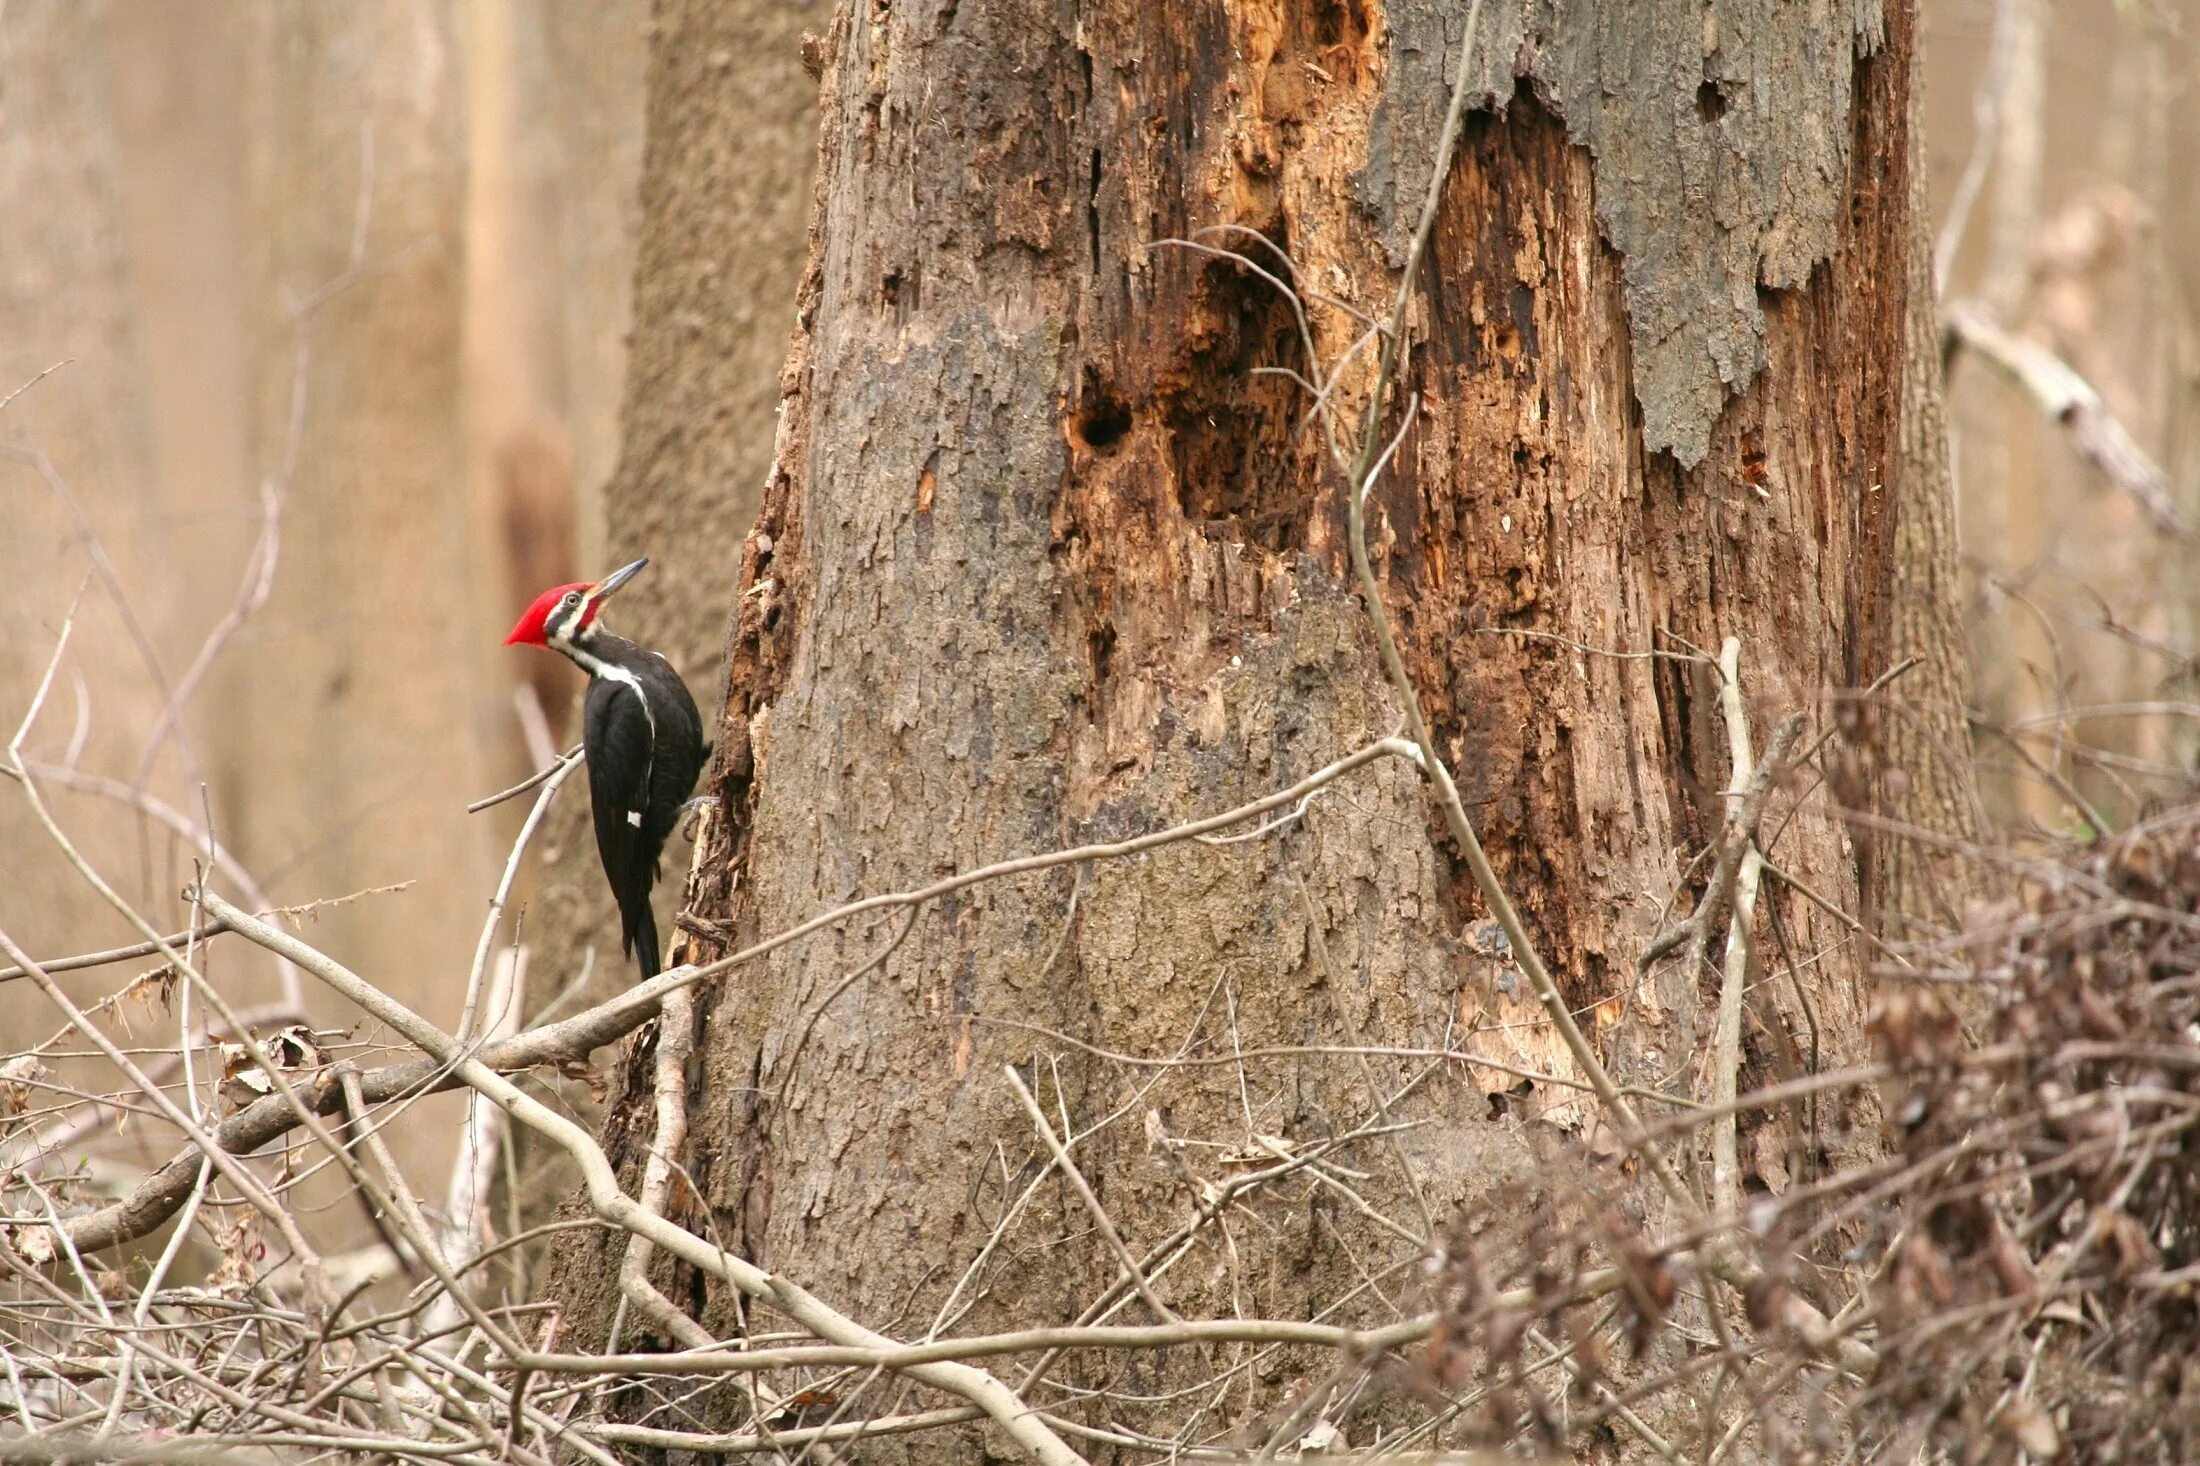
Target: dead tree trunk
1047 558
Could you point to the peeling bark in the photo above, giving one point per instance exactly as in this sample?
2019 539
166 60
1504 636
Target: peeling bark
1719 140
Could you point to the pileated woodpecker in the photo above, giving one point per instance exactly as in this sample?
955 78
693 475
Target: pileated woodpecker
644 741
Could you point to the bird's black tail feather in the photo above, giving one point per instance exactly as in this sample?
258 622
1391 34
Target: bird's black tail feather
641 939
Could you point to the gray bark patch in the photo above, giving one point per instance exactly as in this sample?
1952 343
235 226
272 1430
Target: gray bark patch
1719 135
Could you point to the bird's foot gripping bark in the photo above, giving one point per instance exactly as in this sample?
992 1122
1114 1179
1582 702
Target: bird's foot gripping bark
690 810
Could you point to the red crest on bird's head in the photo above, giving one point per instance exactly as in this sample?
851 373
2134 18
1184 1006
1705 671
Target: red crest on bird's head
532 629
577 603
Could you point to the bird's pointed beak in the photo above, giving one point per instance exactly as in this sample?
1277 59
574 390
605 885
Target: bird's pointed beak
610 584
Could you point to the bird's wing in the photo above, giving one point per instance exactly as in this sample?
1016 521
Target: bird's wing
680 749
615 726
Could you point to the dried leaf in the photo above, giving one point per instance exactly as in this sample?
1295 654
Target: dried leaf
17 1077
2029 1426
36 1244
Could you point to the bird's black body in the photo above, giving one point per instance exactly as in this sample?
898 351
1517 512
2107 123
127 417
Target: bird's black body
645 747
644 741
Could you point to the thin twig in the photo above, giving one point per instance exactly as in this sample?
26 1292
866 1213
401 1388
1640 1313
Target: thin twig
704 1443
119 954
222 859
466 1201
34 381
1100 1217
1726 1047
485 943
572 755
1364 1342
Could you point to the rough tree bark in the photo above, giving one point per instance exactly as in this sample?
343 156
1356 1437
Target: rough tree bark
1924 731
1042 560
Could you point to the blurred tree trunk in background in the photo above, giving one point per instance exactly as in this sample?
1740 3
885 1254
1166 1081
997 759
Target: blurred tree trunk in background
519 468
65 295
342 710
730 140
554 98
182 181
1043 561
590 98
2071 185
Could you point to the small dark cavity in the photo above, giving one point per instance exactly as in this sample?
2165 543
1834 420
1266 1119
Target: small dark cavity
1100 647
1103 423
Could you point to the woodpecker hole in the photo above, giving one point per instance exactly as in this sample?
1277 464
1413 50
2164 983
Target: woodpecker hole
1233 417
1710 102
1102 422
899 290
1343 23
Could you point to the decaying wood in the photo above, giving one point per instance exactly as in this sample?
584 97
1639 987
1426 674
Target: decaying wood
1044 558
1676 108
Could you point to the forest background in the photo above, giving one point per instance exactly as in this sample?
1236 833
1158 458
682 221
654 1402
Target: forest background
321 318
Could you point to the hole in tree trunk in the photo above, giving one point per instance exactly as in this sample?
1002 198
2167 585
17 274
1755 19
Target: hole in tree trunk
1233 428
1101 422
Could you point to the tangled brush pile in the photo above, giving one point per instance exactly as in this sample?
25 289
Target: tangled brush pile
2037 1292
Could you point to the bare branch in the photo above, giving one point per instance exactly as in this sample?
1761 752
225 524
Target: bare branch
675 1042
2066 397
976 1386
520 842
34 381
571 756
1726 1030
887 1355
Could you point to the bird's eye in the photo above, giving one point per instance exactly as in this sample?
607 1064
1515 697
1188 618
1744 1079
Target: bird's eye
572 598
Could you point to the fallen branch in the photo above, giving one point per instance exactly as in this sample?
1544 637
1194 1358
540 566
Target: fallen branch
887 1355
747 1445
2066 397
